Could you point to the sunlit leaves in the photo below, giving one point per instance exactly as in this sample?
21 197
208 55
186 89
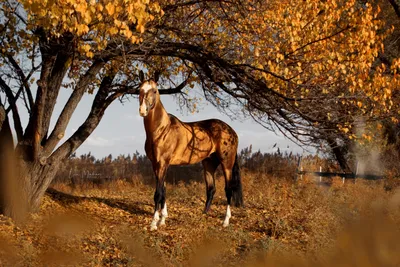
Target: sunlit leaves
325 50
302 44
98 21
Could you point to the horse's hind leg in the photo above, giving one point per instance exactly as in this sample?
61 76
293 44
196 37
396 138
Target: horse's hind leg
210 165
228 192
227 165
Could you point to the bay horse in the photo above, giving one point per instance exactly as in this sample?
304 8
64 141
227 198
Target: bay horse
170 141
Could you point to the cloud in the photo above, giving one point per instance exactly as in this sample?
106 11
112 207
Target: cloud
98 142
132 117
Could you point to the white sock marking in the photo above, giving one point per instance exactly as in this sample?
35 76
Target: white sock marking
156 218
227 216
164 214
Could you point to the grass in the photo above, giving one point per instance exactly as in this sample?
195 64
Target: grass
284 223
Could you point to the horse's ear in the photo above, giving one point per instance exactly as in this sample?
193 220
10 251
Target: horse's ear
141 76
156 75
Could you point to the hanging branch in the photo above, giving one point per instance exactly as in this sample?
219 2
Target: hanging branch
134 89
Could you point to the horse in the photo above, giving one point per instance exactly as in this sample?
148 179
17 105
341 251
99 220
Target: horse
170 141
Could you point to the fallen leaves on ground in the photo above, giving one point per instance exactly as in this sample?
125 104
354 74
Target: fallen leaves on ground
109 226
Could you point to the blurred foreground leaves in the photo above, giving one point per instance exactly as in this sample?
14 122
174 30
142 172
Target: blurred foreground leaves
283 224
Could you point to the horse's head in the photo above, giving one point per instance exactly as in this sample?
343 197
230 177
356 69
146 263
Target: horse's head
147 95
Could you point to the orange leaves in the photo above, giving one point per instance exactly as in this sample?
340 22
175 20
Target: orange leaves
110 8
327 47
82 29
96 20
85 49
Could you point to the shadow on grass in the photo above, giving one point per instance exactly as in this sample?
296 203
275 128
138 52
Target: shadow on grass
135 208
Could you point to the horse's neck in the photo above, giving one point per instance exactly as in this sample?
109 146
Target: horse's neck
157 118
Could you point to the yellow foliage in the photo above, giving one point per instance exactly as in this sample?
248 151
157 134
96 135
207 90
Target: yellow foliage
87 18
328 46
304 50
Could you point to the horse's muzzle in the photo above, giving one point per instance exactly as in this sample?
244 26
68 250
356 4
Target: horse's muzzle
143 111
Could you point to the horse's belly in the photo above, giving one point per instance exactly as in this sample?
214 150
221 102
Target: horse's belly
185 159
191 154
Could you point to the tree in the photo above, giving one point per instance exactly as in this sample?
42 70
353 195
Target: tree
64 44
289 65
311 69
2 116
373 123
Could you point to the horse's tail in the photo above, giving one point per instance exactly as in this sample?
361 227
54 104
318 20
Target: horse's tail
236 185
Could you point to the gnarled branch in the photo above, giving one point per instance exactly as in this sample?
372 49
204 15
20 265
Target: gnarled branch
58 132
100 103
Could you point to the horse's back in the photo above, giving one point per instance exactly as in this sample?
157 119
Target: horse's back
214 127
218 129
224 138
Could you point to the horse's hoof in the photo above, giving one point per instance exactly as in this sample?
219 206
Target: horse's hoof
225 224
161 224
153 228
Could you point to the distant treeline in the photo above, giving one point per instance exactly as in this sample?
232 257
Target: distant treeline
136 167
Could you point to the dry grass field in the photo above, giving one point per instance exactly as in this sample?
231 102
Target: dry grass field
284 223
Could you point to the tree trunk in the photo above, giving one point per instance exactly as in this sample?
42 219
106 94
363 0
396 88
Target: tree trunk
340 154
24 184
37 178
7 171
2 116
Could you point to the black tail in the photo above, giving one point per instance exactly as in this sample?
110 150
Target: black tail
236 185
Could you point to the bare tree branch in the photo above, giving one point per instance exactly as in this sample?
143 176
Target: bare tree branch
134 89
62 122
23 79
56 78
21 89
12 101
100 103
395 7
34 131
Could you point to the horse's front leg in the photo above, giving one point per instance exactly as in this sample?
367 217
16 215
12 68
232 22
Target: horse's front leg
164 214
160 207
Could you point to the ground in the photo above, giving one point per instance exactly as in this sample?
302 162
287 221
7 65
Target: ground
284 222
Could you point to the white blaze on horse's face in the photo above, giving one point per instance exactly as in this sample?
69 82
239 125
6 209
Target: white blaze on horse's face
147 92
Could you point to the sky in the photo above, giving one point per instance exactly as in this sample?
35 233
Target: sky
121 130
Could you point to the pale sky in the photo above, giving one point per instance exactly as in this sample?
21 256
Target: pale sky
121 130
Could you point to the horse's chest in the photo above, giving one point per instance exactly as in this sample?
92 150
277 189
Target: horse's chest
148 147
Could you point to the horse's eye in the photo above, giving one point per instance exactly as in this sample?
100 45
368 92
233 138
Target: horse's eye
155 91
